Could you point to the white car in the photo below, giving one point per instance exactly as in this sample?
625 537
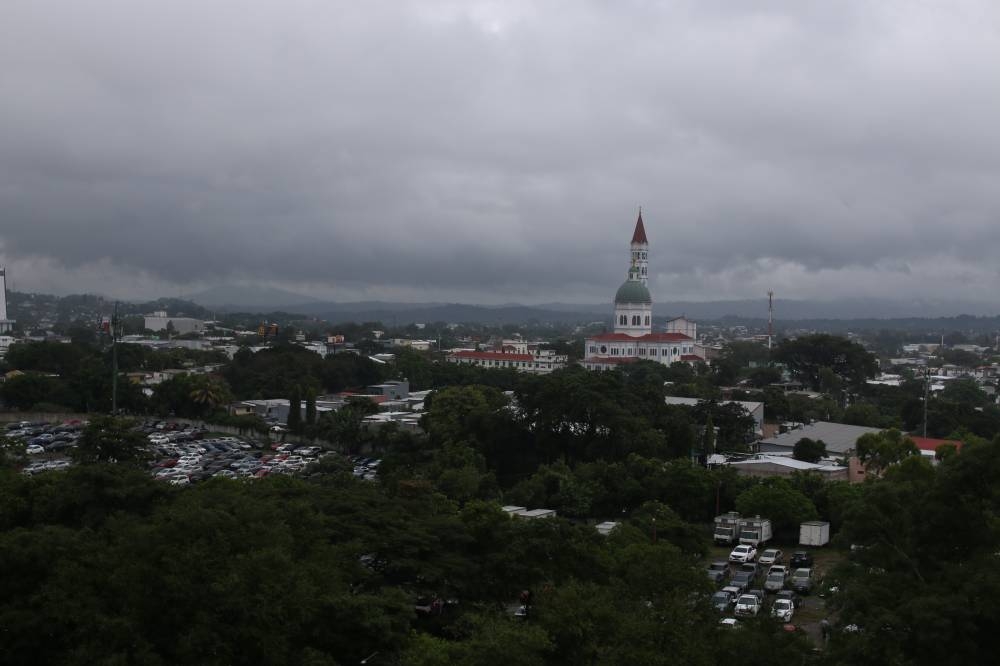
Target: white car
783 609
747 605
743 553
770 556
34 449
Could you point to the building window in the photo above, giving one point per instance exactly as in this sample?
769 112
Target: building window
635 320
604 350
675 351
647 320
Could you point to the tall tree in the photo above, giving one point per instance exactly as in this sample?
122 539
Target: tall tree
708 438
310 406
809 450
107 439
295 409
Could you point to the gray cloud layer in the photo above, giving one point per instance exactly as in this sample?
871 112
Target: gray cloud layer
497 151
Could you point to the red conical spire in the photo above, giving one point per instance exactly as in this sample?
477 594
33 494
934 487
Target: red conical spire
640 231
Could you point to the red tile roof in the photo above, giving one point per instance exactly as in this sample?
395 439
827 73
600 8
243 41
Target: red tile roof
930 444
691 357
640 231
649 337
493 356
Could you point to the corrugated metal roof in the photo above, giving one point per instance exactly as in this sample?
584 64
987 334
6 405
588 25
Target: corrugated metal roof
838 437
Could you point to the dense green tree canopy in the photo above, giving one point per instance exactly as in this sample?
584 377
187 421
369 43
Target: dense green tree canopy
822 360
809 450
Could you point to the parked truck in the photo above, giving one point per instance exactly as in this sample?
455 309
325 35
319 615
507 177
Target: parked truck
727 528
755 531
814 533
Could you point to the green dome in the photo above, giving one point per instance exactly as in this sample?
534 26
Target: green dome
633 291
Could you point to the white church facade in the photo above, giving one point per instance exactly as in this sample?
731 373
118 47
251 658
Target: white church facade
633 338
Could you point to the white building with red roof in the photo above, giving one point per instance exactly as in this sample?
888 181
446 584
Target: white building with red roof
533 361
633 338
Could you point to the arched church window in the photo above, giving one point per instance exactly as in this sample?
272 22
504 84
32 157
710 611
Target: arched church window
647 320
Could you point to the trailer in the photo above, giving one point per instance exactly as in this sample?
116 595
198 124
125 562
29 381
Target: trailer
755 531
727 528
814 533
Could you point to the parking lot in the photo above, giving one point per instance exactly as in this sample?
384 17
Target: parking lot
181 454
811 607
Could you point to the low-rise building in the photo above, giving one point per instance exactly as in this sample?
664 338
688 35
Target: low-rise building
765 466
159 321
539 362
840 438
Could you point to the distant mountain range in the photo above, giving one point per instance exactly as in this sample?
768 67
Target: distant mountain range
242 297
269 299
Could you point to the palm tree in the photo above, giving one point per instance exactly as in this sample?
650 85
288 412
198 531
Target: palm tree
208 394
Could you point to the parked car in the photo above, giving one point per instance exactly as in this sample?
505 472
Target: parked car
743 553
749 567
775 581
801 559
751 573
733 591
783 609
770 556
742 580
721 601
34 449
801 580
748 605
717 572
791 596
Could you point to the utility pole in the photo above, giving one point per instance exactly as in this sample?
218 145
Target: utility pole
115 334
927 386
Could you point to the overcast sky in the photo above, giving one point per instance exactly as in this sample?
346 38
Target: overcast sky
498 151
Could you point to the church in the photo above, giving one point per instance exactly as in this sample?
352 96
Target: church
633 338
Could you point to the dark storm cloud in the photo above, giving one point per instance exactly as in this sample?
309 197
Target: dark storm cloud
498 151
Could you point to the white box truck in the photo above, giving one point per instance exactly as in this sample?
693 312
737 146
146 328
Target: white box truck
814 533
727 528
755 531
